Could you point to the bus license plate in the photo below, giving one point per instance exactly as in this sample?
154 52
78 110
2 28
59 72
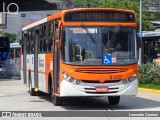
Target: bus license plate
101 89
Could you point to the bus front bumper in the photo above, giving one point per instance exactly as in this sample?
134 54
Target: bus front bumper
119 88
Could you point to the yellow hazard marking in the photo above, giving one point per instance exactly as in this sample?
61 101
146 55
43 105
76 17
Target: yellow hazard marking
149 90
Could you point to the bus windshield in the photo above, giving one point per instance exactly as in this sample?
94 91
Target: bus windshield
4 44
117 48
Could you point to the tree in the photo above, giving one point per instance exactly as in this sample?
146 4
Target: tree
123 4
12 37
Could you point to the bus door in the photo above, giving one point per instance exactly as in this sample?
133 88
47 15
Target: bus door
55 58
36 58
24 59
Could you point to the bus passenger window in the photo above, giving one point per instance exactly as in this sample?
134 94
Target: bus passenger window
32 46
48 30
50 37
41 32
28 44
44 45
28 47
44 31
51 30
40 48
49 45
32 42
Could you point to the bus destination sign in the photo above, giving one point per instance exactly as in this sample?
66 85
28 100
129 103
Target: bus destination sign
104 16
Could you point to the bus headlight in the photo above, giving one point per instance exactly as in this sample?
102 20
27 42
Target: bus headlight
77 82
70 79
129 80
73 81
125 81
132 78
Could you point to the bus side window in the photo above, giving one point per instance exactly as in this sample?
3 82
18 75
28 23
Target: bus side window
49 44
44 45
50 37
32 42
47 39
24 40
44 40
28 42
40 48
41 39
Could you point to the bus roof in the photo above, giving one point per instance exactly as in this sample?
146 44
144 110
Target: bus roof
61 13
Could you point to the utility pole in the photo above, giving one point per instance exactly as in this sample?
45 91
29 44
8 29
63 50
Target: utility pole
140 30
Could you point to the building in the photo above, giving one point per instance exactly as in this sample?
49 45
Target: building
154 5
14 21
150 46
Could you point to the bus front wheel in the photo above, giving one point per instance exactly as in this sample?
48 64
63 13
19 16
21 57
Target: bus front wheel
113 100
57 101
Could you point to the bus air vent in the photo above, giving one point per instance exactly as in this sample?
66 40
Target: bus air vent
100 70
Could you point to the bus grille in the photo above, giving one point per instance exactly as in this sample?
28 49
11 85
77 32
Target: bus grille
101 70
110 81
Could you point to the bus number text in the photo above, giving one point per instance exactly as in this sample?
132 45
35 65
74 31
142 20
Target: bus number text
116 77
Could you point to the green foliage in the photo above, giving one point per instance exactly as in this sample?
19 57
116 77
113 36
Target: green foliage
150 74
123 4
12 37
150 86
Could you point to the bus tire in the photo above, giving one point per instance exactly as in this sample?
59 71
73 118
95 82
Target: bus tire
114 100
57 101
31 90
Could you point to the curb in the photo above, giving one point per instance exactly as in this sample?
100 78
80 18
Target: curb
149 90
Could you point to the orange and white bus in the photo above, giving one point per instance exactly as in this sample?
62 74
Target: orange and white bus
81 52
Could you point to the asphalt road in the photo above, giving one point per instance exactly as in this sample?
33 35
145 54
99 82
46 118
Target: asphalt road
14 96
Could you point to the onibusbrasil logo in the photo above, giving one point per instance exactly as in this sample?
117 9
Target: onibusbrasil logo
7 8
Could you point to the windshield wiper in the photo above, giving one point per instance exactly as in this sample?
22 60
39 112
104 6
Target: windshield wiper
113 38
88 33
115 33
